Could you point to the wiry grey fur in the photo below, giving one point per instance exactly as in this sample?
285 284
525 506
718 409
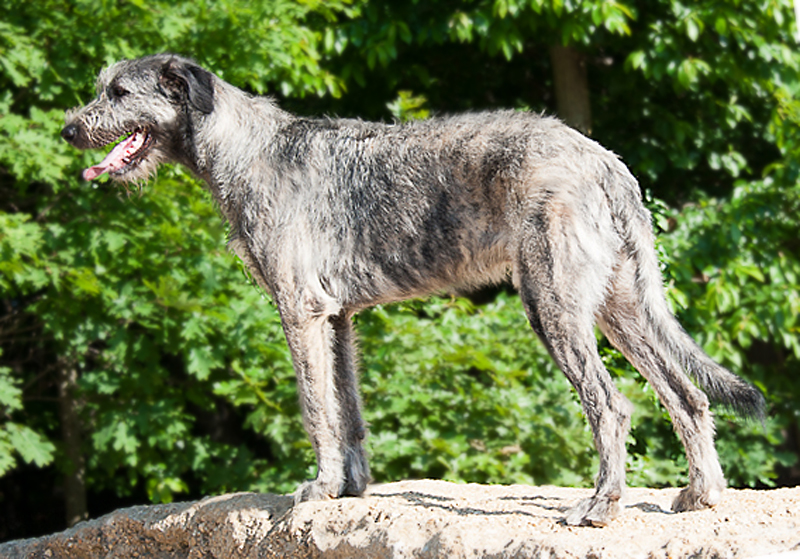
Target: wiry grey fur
332 216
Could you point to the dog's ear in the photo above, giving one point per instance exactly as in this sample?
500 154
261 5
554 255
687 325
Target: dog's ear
182 80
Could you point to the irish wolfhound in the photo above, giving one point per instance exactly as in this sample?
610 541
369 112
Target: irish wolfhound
332 216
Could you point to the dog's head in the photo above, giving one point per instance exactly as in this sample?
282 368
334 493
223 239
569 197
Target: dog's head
149 104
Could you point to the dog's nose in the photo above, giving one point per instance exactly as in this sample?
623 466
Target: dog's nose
70 132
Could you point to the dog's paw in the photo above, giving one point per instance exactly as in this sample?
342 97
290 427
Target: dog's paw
595 511
315 490
690 499
357 475
355 487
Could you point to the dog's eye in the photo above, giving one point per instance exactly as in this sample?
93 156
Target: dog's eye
117 91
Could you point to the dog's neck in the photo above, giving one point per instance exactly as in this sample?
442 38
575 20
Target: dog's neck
241 120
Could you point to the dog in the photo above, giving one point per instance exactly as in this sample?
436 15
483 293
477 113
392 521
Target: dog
332 216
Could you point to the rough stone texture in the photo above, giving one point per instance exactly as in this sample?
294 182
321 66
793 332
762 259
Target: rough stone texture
423 519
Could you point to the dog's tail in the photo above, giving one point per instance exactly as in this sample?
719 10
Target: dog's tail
635 223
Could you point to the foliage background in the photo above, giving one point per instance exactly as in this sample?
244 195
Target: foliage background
123 315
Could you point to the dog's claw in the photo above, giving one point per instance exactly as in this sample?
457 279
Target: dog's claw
594 511
314 491
690 500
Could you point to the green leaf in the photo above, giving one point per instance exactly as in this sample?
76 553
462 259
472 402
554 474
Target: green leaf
200 362
500 8
687 74
31 446
10 393
636 60
693 29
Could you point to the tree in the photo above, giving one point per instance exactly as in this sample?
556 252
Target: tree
571 85
174 375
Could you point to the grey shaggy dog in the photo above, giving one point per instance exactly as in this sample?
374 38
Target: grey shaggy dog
332 216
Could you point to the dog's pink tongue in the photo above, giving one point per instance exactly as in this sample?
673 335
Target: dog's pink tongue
115 160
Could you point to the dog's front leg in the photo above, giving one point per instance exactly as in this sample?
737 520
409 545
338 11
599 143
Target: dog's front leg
356 468
321 346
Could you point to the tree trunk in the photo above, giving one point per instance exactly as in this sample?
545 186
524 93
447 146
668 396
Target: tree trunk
75 469
572 87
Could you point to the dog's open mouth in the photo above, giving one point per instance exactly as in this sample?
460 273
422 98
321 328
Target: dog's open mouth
126 155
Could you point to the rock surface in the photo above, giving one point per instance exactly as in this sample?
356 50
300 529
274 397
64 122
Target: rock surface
423 519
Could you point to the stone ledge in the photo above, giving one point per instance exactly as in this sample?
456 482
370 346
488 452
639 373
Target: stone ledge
424 519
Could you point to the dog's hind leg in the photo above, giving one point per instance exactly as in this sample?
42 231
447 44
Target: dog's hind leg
624 321
322 350
563 262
